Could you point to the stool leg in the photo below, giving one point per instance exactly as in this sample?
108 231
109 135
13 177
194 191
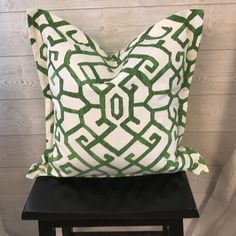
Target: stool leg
46 228
165 230
176 228
67 231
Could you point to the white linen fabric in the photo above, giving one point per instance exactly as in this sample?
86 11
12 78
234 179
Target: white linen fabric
219 215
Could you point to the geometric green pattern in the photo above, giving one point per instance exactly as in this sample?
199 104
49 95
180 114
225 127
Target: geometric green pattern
121 114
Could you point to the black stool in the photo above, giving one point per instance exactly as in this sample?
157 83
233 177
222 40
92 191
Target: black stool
127 201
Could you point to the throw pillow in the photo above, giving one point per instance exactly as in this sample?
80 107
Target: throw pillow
121 114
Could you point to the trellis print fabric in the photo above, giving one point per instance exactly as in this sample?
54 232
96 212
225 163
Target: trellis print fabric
121 114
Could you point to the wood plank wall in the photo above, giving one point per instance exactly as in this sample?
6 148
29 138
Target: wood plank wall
211 123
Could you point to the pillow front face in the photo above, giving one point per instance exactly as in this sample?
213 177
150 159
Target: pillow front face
121 114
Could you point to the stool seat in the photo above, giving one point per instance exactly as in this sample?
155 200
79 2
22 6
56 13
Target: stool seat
139 200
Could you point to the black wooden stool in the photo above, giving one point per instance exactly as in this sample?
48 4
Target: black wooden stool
127 201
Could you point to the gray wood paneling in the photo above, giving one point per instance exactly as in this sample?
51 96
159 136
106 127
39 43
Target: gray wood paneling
14 5
22 117
209 113
120 29
21 150
14 39
116 29
18 78
215 73
215 147
13 181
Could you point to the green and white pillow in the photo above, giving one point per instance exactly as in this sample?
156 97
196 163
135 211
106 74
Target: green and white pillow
121 114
